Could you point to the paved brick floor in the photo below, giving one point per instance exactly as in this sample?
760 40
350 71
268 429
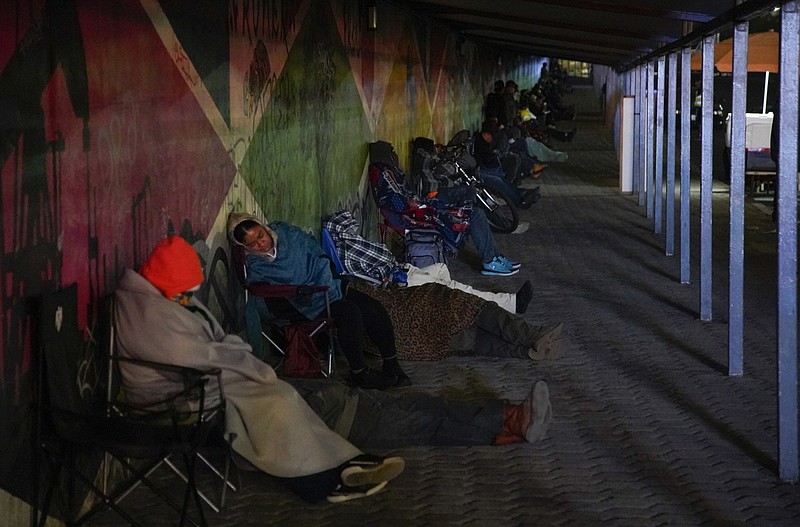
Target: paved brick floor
648 429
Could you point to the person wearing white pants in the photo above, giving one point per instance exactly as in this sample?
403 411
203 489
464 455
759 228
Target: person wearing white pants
438 273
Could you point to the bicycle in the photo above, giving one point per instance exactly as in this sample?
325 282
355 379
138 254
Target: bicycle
457 163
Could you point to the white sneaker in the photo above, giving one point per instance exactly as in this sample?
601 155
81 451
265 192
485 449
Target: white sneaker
366 475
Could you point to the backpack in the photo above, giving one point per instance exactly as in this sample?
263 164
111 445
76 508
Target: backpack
424 247
302 358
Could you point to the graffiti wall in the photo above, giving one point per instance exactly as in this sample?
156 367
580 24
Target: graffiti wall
123 122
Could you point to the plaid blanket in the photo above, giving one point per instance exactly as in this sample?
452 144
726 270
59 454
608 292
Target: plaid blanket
359 256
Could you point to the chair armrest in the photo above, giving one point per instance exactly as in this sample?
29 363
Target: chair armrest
183 370
194 388
284 291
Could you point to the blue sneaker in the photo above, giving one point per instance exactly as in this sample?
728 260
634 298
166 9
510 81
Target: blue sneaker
508 263
497 268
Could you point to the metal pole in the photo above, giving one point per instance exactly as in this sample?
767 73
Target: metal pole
641 127
637 102
671 109
706 177
686 191
650 194
659 154
736 281
787 246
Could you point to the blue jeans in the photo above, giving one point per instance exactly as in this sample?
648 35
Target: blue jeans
495 178
479 229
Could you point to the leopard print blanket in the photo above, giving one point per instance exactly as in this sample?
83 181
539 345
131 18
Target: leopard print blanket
425 317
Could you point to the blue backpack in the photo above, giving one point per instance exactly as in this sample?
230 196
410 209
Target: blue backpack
424 247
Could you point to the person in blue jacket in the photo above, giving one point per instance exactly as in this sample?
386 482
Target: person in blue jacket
280 253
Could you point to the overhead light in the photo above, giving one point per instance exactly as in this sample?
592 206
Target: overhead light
372 16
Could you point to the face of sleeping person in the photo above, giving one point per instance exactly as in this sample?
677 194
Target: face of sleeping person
258 240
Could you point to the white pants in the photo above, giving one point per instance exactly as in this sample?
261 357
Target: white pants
440 274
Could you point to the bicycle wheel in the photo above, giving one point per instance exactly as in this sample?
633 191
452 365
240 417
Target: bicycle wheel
500 210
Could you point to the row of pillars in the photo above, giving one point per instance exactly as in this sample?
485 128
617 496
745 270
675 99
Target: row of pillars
651 155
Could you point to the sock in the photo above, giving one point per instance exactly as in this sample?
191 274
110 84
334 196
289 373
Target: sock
524 296
512 426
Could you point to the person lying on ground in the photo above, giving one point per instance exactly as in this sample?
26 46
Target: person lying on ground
280 253
433 321
270 425
361 256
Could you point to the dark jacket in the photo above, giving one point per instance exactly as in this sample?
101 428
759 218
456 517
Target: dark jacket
496 106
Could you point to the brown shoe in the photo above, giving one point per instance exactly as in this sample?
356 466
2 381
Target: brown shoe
547 343
536 171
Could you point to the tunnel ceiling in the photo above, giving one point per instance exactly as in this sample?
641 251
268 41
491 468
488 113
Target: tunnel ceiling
616 33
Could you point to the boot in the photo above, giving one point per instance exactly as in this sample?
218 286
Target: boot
392 368
547 343
529 420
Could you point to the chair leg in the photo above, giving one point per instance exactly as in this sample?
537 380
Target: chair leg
190 459
141 476
226 483
54 473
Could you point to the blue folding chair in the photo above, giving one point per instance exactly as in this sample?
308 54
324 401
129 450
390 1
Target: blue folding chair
330 249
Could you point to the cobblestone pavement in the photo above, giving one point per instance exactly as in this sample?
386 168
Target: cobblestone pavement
648 428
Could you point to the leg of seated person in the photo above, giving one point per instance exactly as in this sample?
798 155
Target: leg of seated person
510 163
354 318
479 229
541 152
378 326
383 420
482 235
440 274
495 333
314 487
500 182
254 312
456 195
363 475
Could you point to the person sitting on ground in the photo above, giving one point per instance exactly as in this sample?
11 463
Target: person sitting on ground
373 259
491 170
273 427
524 145
280 253
535 127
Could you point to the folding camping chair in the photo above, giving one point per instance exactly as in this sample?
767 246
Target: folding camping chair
81 420
283 318
329 247
403 211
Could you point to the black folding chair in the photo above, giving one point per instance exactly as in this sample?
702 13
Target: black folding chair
80 424
216 439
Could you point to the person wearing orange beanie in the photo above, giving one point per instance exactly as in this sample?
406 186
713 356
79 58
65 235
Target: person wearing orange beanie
173 267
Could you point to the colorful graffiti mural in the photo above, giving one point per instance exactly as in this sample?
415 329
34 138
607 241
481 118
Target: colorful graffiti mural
123 122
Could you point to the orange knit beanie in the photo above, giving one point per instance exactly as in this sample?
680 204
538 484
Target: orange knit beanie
173 267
